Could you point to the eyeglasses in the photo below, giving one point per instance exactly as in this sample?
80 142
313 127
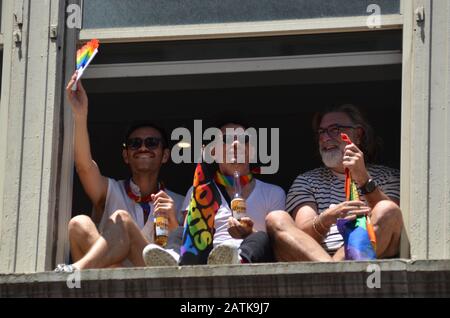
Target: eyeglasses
333 131
229 139
150 142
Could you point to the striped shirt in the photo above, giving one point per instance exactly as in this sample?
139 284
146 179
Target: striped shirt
323 187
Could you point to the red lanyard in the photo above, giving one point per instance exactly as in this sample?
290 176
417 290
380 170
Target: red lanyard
143 201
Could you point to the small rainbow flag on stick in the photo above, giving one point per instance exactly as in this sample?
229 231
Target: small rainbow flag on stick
359 235
85 55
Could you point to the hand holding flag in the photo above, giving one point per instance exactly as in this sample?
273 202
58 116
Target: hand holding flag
77 98
359 236
351 192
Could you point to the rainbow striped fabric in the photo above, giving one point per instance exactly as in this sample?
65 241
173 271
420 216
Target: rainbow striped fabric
85 55
228 181
359 235
199 227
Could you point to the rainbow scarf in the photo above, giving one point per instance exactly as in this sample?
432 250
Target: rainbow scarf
199 228
85 55
228 181
359 235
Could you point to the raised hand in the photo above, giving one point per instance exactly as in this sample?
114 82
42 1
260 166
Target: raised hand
354 160
78 99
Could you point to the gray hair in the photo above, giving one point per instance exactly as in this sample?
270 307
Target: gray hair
369 143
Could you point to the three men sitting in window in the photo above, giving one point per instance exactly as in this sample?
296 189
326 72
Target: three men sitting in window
301 226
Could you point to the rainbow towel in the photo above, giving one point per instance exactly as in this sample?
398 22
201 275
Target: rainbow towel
199 224
359 236
85 55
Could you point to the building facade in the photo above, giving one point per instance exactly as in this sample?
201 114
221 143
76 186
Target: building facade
392 56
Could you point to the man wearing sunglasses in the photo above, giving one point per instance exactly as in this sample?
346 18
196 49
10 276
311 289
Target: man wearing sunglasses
308 232
234 242
123 210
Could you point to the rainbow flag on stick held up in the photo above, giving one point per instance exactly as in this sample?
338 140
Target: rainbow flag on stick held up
199 228
359 235
85 55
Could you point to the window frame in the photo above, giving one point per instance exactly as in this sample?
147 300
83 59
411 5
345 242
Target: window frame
2 25
2 139
278 63
239 29
230 30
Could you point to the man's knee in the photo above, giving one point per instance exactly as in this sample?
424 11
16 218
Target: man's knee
387 212
277 221
122 216
80 224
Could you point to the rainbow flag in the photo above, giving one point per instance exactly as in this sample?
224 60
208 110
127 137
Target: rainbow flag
199 223
359 236
85 55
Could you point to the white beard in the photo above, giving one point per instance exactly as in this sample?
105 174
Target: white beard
332 158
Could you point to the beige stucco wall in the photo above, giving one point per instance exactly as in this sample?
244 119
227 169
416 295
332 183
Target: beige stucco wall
30 105
425 116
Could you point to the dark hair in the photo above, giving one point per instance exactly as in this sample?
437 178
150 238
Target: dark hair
145 124
230 118
369 143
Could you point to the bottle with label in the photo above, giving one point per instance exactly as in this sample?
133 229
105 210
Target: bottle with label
238 205
161 230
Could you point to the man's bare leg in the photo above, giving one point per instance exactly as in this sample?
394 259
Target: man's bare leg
120 240
388 223
291 244
339 255
82 235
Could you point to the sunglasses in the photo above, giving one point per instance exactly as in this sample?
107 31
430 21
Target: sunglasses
334 131
229 139
151 143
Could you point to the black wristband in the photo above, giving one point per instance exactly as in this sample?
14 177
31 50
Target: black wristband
369 187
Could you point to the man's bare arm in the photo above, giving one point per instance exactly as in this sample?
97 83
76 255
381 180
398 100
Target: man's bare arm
318 225
376 196
354 161
95 185
304 217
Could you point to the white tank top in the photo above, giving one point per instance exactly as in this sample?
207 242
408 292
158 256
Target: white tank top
117 199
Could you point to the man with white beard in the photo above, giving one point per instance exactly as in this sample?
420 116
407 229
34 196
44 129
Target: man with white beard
316 199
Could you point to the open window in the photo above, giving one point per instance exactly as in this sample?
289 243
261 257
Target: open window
273 82
275 66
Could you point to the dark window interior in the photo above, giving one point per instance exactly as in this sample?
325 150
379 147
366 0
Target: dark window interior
249 47
289 108
284 100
